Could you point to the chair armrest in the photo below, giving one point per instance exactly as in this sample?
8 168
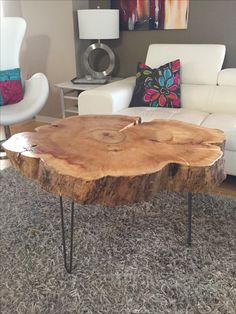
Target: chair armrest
35 97
37 90
107 99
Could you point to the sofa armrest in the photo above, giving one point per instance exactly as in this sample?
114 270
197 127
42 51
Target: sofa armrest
227 77
107 99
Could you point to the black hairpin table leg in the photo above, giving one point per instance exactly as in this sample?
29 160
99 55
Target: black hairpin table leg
189 236
67 267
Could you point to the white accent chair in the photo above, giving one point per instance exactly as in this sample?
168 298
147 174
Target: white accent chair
208 94
36 89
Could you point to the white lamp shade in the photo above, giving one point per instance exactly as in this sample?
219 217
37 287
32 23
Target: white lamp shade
98 24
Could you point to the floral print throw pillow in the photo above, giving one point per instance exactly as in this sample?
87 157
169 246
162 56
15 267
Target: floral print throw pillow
157 87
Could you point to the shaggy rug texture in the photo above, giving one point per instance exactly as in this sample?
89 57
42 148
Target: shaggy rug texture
127 259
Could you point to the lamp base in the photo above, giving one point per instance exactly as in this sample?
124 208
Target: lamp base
89 80
88 68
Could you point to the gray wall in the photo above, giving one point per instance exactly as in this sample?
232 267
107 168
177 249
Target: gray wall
210 21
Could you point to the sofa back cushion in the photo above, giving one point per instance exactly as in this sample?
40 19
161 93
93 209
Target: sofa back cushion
200 64
209 98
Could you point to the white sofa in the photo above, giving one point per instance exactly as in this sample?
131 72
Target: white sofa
208 94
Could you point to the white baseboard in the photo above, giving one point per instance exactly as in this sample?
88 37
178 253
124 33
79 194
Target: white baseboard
46 119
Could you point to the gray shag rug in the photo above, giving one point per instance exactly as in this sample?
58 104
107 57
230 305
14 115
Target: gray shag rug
128 259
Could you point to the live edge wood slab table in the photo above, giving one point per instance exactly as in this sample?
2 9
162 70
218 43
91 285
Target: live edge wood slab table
118 160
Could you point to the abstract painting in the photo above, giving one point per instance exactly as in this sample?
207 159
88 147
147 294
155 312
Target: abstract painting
152 14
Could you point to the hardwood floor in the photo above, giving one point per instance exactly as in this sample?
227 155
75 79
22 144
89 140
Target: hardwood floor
26 127
228 187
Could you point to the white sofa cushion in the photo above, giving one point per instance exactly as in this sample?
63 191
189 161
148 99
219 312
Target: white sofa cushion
209 98
200 64
147 114
226 123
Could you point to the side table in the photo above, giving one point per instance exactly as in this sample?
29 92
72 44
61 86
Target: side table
68 90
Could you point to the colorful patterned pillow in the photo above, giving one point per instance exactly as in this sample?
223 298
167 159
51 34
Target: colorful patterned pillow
157 87
11 90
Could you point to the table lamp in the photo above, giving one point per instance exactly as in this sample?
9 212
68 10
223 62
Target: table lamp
98 24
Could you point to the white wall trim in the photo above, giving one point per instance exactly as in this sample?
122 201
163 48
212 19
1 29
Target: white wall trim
46 119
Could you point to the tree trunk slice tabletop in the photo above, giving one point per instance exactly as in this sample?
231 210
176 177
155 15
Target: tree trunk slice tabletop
117 159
